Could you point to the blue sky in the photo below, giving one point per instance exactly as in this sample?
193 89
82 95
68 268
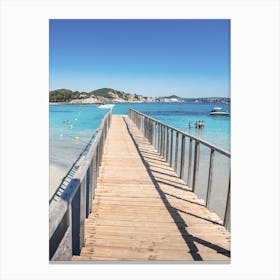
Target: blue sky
188 58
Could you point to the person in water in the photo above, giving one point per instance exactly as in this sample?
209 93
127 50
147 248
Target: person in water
202 124
199 124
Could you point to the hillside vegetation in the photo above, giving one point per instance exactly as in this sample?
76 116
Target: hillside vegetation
95 96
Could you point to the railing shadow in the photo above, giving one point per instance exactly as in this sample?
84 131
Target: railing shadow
186 200
171 185
174 212
178 148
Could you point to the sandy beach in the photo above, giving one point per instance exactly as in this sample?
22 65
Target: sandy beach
56 174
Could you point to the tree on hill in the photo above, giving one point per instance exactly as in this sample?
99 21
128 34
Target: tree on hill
61 95
103 92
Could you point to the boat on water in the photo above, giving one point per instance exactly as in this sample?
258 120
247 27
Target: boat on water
105 106
217 111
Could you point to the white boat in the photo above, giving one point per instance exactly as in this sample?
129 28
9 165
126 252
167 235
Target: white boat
218 112
106 106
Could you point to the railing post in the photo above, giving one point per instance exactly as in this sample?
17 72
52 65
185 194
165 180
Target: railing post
83 212
176 151
75 221
171 147
143 126
227 210
195 165
164 141
99 155
88 189
101 146
95 172
97 159
148 131
167 143
190 162
60 231
159 137
210 175
92 182
152 132
146 128
161 141
154 135
182 166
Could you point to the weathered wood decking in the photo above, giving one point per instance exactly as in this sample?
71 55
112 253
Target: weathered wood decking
142 211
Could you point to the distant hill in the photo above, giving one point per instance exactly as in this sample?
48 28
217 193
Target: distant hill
171 96
208 100
112 95
175 98
96 96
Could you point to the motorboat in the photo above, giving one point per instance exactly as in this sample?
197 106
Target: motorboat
217 111
106 106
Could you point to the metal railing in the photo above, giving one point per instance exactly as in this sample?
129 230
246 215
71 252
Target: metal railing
69 209
171 143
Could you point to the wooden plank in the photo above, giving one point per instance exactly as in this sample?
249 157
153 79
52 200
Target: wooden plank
130 253
143 211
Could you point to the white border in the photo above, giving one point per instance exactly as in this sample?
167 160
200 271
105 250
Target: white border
24 137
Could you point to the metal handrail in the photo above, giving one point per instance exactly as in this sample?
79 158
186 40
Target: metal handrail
212 146
161 135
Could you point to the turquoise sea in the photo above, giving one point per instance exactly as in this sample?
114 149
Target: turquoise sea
72 126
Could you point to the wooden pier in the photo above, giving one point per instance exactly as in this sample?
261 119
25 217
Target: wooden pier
143 211
126 199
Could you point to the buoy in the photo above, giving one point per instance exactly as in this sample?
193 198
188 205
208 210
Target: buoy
77 138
